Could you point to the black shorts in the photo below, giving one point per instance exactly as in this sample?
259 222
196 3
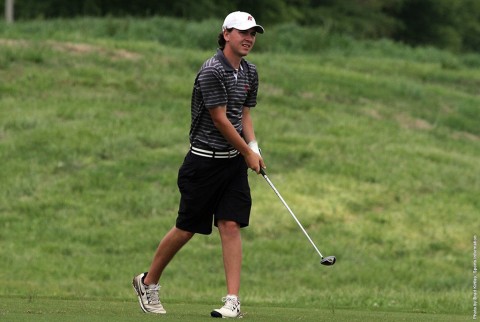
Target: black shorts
212 190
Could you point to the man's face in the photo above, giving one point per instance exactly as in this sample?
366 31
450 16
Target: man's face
241 41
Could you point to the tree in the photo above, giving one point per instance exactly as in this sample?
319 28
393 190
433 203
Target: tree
452 25
9 13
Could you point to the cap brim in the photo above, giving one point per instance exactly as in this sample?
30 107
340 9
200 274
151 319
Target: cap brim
258 28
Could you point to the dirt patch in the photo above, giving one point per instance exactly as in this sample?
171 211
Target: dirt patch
466 135
13 42
271 90
409 122
75 48
82 48
373 113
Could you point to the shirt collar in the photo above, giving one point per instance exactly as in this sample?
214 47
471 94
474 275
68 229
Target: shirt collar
225 63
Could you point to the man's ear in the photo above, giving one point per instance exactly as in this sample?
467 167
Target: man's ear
226 35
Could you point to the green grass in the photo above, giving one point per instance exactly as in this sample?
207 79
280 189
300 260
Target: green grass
376 148
75 310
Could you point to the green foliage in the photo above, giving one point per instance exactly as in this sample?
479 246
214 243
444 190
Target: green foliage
442 23
361 19
452 25
285 38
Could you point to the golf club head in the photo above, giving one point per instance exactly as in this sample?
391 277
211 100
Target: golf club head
328 261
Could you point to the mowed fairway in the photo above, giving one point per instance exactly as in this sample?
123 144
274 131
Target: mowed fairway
375 147
75 310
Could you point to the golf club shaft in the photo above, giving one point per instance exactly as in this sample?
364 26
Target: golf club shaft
290 211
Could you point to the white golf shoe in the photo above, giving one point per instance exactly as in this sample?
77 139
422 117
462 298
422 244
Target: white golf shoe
231 308
148 296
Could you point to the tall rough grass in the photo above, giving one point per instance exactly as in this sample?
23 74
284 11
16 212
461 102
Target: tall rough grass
282 38
374 145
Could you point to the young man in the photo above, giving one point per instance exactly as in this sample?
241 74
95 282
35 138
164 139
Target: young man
213 179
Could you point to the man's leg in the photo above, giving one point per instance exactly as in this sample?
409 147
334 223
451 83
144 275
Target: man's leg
232 260
173 241
147 287
232 254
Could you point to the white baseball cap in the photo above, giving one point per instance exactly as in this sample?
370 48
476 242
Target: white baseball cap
242 21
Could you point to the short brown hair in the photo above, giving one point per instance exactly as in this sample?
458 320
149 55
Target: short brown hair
221 39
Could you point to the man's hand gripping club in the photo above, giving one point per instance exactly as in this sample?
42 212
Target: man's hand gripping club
254 160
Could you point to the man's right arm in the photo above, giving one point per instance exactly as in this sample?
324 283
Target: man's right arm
223 124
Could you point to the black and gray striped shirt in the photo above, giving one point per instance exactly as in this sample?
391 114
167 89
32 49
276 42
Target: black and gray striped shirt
218 84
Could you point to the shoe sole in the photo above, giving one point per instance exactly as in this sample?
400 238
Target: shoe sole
215 314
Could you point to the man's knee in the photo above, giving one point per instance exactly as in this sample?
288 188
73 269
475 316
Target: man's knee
228 226
184 234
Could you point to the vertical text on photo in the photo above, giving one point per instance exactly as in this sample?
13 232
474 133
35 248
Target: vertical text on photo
475 297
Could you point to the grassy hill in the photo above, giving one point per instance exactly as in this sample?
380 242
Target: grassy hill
375 146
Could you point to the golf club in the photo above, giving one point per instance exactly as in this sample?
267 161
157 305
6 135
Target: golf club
329 260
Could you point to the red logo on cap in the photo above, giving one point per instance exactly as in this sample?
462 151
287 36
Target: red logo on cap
250 18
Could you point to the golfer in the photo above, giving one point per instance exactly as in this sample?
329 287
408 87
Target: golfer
213 179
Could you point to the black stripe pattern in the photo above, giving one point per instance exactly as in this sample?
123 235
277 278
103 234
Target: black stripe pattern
219 84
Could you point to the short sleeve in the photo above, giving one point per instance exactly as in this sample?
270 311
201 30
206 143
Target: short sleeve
251 100
211 84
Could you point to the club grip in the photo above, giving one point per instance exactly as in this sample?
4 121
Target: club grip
262 172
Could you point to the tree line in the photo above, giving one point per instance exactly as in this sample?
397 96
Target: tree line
447 24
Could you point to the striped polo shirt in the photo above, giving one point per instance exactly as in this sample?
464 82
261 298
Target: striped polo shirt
218 84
